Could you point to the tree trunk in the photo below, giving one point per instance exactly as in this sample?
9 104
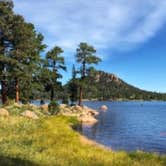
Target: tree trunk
80 96
4 91
81 87
83 70
52 94
17 90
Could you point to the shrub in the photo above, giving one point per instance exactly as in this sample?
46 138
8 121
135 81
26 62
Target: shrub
53 108
10 102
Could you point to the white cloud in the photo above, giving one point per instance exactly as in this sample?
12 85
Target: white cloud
103 23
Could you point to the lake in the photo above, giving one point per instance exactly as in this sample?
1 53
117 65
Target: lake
130 126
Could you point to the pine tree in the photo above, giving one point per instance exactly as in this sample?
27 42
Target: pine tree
85 55
25 54
6 16
20 47
73 86
54 62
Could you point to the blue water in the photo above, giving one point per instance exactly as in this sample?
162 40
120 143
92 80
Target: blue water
130 126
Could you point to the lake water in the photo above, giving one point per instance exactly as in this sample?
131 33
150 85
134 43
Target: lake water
130 126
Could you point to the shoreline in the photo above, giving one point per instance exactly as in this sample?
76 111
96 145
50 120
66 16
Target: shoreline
52 140
88 141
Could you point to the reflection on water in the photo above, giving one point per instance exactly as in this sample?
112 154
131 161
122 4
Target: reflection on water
130 126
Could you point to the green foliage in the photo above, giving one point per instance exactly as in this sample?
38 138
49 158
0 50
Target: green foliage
54 62
9 102
85 55
26 48
20 47
53 108
73 86
6 15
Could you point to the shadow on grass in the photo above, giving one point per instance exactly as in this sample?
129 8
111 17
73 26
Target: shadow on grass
8 161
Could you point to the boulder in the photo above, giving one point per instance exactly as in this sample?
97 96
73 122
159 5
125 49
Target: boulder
104 108
29 114
33 106
44 107
4 112
87 119
66 110
63 105
76 108
93 112
84 114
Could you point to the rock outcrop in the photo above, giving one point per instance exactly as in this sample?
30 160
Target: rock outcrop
84 114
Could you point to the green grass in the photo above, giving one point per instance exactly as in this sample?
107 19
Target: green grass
52 141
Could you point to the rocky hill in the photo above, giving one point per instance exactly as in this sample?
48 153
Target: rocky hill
102 85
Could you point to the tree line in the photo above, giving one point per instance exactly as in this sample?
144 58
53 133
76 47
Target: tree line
24 73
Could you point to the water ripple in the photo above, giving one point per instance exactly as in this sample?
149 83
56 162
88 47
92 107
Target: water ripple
130 126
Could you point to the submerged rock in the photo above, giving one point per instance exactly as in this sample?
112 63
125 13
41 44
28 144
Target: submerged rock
29 114
104 108
4 112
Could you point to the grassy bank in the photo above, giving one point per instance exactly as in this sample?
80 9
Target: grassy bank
52 141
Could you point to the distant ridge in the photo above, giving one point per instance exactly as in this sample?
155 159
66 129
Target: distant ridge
103 86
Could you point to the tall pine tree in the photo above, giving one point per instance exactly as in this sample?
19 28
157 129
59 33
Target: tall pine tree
54 62
6 18
20 50
26 48
85 55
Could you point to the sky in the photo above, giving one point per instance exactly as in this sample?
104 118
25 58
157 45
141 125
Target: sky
129 35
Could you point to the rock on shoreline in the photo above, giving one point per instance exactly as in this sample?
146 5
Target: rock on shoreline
84 114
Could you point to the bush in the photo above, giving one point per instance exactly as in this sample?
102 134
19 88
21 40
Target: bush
9 102
53 108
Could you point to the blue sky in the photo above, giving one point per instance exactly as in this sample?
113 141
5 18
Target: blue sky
129 35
